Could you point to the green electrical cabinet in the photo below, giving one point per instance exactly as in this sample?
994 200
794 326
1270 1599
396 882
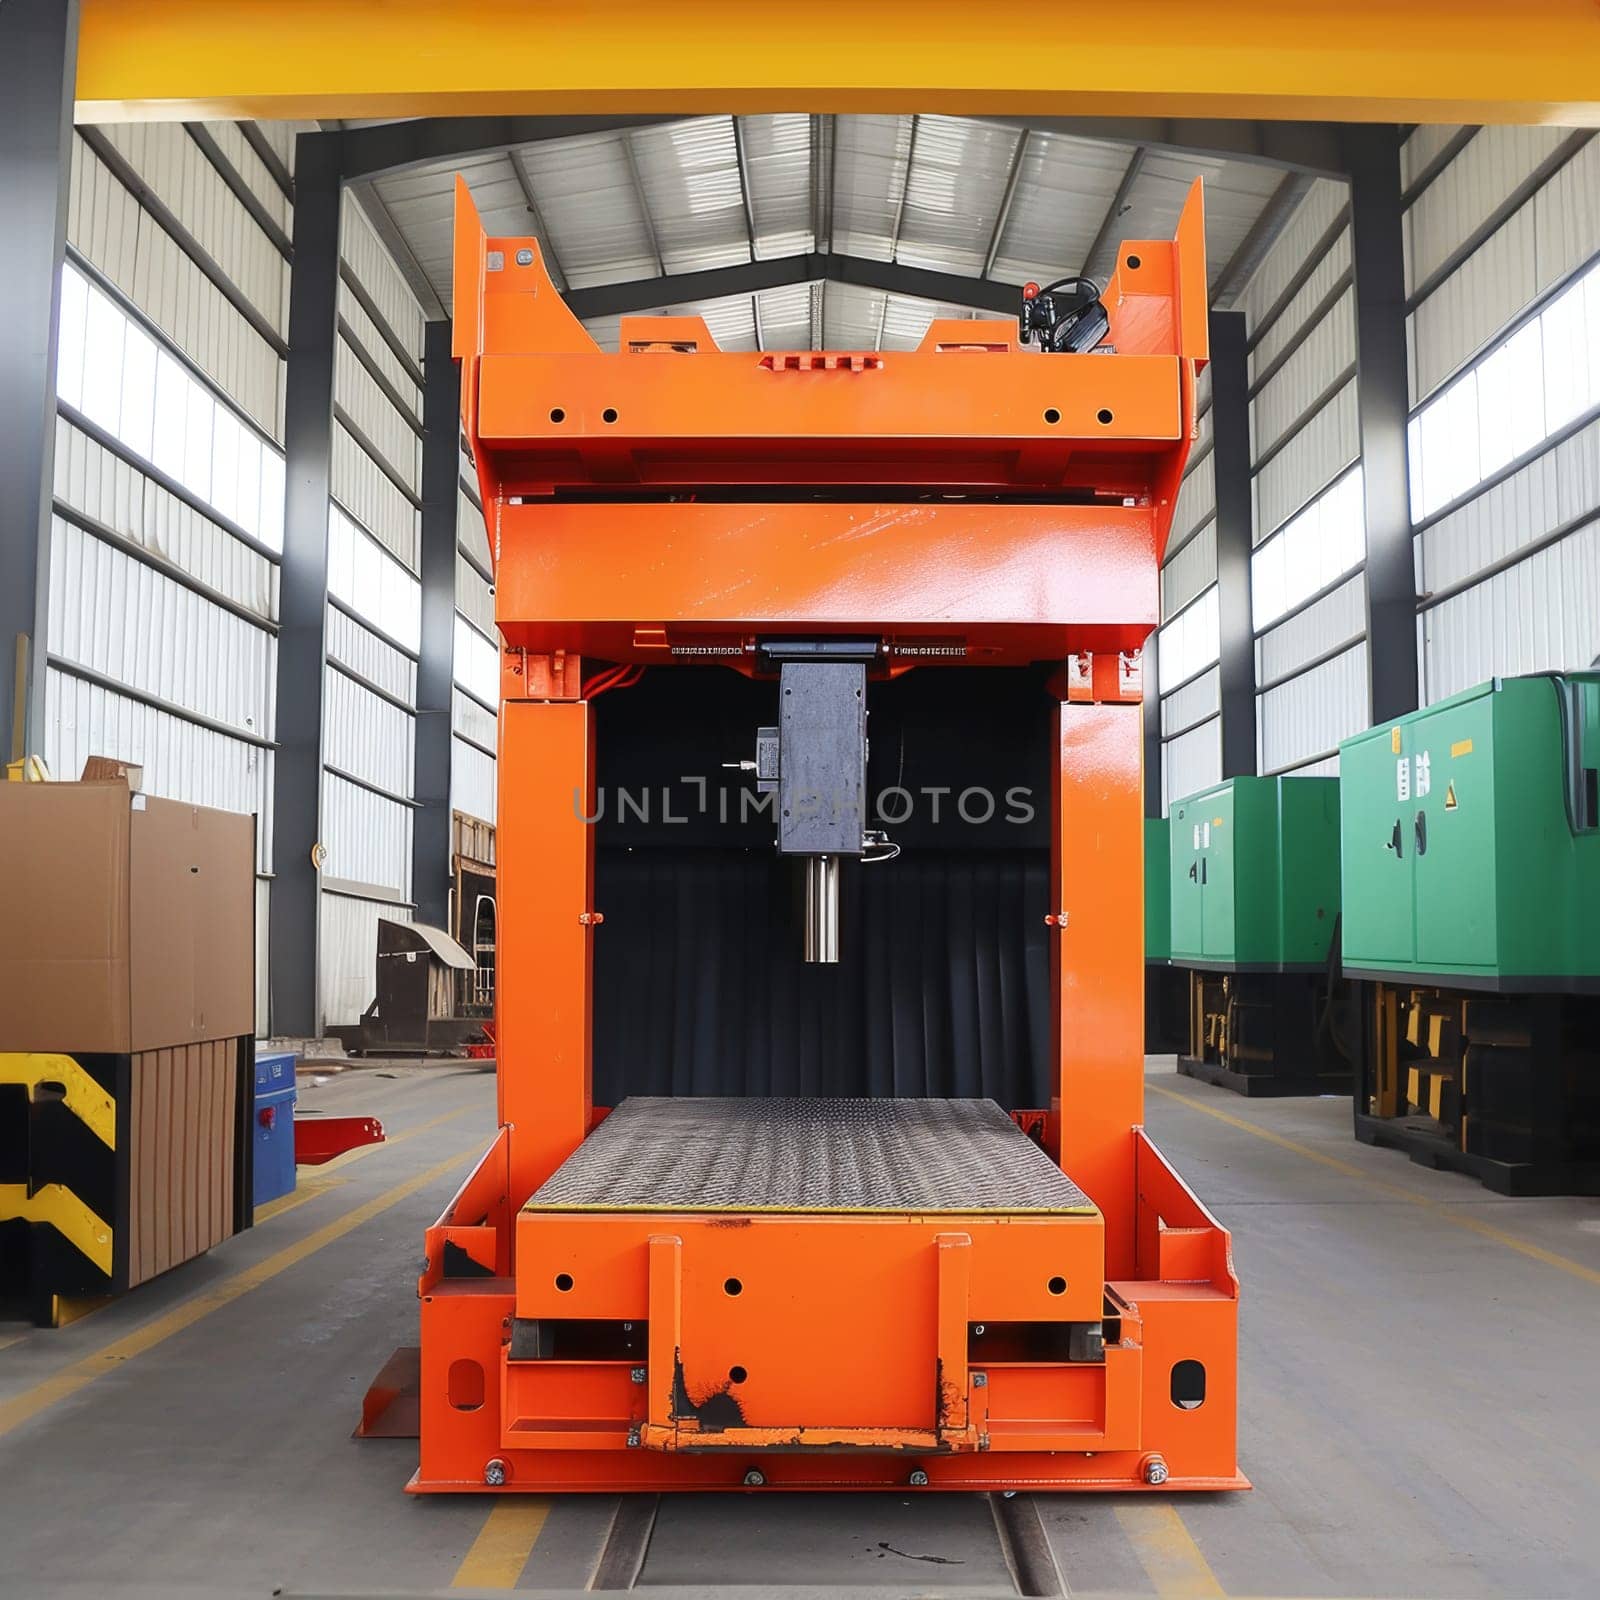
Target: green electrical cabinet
1157 891
1253 875
1470 840
1166 989
1253 886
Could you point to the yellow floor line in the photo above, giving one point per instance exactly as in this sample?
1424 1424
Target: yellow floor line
503 1546
1447 1213
305 1189
1167 1552
80 1374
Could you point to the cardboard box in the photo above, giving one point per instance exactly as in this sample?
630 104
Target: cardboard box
129 922
107 769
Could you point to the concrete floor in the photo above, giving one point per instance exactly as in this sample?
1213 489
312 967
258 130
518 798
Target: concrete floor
1420 1413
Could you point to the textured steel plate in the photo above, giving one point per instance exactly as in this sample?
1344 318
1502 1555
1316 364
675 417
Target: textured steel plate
809 1155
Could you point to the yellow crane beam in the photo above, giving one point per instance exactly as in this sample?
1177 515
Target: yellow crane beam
1336 60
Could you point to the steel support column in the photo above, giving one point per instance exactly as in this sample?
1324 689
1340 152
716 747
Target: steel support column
1230 461
1377 249
303 588
430 824
38 66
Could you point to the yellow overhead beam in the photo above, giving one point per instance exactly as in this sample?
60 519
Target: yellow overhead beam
1339 60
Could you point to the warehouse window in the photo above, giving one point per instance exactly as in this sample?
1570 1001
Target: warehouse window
372 583
1189 643
1532 384
126 382
477 663
1309 552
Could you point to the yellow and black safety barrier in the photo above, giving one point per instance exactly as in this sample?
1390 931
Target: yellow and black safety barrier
114 1167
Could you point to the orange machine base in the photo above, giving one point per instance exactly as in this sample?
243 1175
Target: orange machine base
664 1376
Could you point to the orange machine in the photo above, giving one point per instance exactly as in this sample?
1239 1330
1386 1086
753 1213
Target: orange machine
824 1293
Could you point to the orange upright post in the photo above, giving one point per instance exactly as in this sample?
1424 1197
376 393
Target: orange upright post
824 1294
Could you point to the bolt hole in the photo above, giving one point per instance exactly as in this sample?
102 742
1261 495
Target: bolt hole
733 1286
1052 416
557 414
1188 1385
1134 263
1057 1286
609 414
563 1281
1103 415
737 1374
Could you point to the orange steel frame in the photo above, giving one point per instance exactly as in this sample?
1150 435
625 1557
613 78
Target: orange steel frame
657 506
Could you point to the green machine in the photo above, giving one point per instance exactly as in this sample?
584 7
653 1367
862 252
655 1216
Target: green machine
1253 885
1471 863
1166 990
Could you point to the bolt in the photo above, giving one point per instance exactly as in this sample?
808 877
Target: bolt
1155 1471
980 1380
1008 1494
637 1374
495 1473
978 1330
919 1479
754 1479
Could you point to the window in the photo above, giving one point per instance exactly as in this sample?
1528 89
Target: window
1310 551
477 664
369 580
1189 643
1532 384
126 382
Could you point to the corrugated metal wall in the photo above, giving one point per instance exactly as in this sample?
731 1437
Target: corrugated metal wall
374 616
1187 644
169 471
474 713
1502 259
169 491
1504 332
1307 587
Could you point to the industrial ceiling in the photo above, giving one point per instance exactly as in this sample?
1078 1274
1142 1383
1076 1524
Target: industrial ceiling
806 201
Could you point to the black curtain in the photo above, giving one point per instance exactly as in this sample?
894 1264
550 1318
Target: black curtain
942 987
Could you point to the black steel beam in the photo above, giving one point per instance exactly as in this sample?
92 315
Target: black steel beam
303 589
1230 464
678 288
393 146
1295 146
430 826
38 69
1377 211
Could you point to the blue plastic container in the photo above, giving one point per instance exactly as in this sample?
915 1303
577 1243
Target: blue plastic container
274 1125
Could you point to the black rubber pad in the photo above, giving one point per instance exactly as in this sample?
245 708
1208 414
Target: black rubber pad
809 1155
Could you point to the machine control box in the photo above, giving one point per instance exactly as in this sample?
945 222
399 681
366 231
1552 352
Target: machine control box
1254 875
822 758
1471 839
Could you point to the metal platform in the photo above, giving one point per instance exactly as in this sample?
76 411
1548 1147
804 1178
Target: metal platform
810 1155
